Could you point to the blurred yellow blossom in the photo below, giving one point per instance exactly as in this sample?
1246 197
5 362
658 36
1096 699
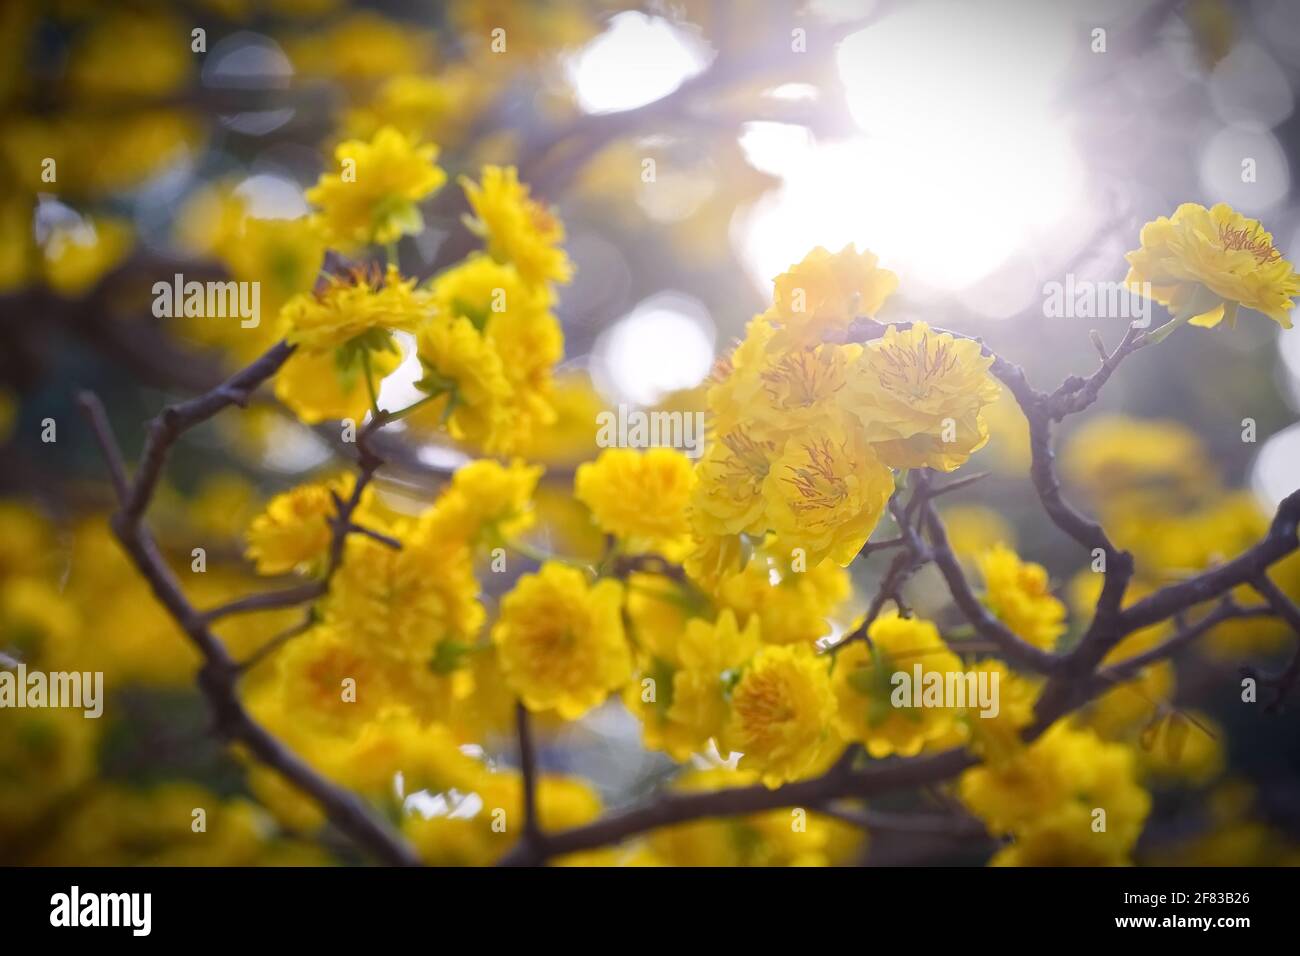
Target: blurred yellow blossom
561 640
372 198
1019 594
518 228
781 714
640 497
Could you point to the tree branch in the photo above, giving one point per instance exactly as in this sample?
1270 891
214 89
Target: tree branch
218 676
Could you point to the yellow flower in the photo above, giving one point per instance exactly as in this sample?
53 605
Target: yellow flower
284 255
1019 594
711 654
728 495
473 838
427 756
825 494
117 825
793 604
415 608
77 257
736 386
867 692
354 306
517 322
799 389
293 532
1204 264
973 529
45 755
561 640
920 396
685 665
997 737
1110 454
827 291
488 502
1062 837
649 696
639 497
98 152
1050 798
318 388
373 196
421 106
518 229
327 681
569 439
1008 450
781 714
156 47
714 557
465 375
480 288
361 47
658 609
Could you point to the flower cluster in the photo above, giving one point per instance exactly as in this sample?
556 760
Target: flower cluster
731 604
808 430
482 329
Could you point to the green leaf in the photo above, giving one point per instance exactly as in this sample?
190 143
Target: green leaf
449 656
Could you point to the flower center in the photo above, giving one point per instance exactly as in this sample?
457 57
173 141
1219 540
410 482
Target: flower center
1248 240
912 372
802 376
748 460
816 483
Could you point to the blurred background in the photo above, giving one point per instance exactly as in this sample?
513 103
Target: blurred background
693 150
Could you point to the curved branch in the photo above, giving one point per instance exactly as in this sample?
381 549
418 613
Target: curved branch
219 674
1012 647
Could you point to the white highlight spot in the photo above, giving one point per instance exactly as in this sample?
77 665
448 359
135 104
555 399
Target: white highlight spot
637 60
664 344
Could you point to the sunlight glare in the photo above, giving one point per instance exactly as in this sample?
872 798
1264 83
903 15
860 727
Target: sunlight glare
637 60
664 344
961 164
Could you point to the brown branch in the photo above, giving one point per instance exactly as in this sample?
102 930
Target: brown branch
1012 647
176 419
1287 610
1280 541
680 807
1183 635
929 824
267 601
914 555
1076 394
528 769
1054 704
218 676
275 643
